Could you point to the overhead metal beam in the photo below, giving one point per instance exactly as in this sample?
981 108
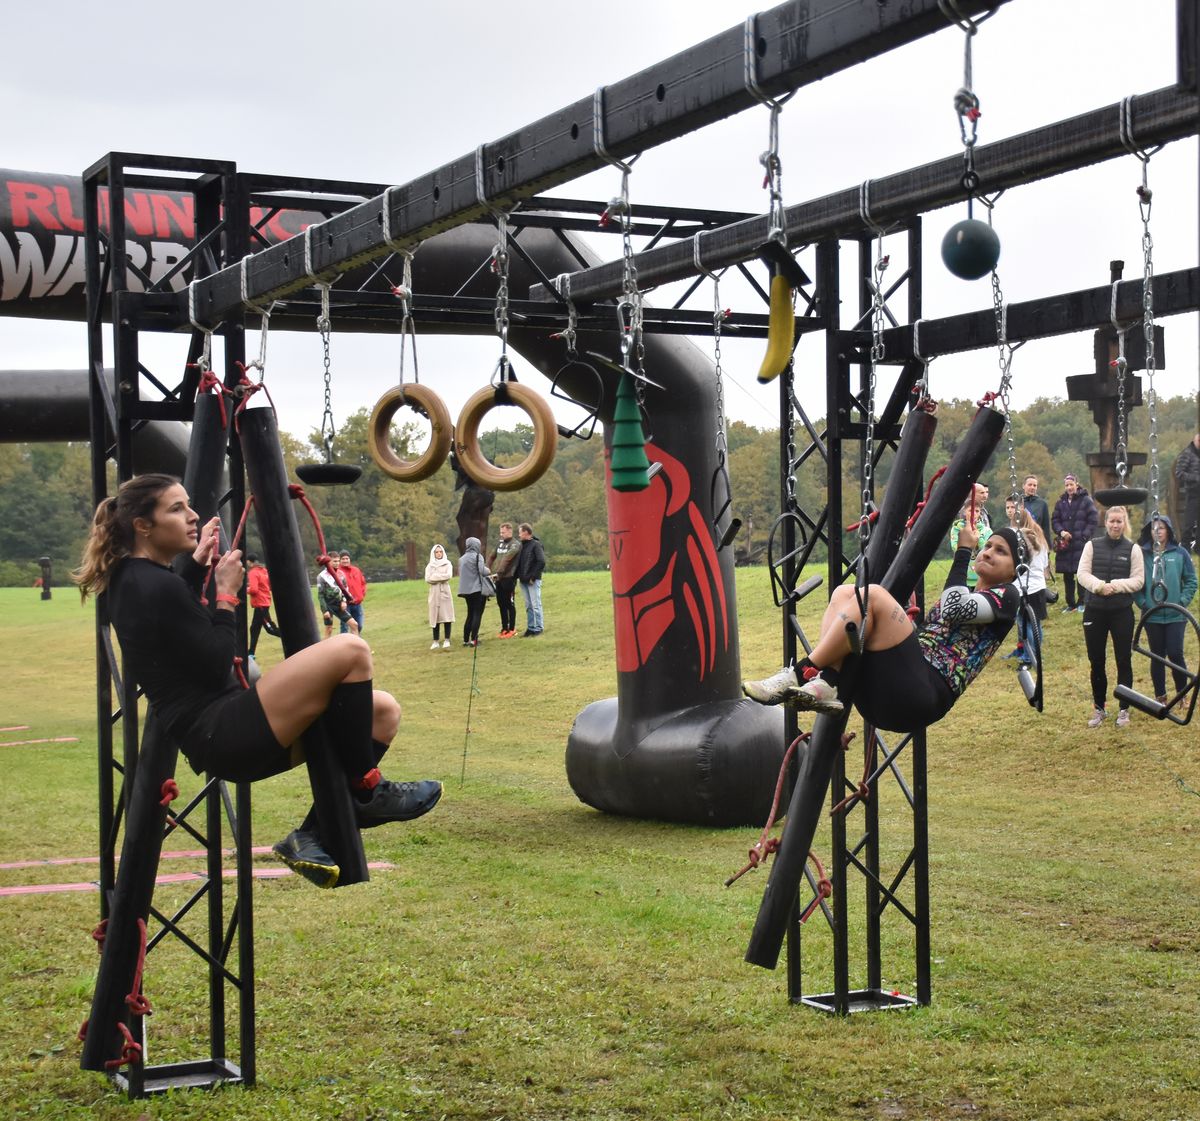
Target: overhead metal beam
794 44
1159 117
1174 293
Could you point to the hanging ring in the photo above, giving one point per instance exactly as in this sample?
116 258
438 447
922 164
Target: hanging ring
427 403
470 454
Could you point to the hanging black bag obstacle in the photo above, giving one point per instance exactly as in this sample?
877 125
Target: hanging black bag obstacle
329 473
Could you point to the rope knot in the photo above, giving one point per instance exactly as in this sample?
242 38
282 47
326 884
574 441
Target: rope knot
131 1052
170 791
99 934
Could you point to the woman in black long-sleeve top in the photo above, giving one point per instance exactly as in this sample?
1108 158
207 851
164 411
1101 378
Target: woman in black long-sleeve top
181 652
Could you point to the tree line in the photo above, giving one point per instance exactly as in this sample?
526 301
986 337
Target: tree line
45 489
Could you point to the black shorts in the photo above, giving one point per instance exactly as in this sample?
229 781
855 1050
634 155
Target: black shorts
232 740
899 691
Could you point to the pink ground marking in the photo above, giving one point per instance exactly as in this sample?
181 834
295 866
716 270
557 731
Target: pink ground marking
258 850
16 728
56 739
171 878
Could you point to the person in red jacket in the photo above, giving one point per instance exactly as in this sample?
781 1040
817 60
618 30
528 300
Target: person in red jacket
258 584
356 590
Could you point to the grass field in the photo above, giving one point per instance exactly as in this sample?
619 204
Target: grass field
527 957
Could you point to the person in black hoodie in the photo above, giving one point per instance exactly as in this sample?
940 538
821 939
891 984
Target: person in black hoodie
1187 475
180 650
1111 573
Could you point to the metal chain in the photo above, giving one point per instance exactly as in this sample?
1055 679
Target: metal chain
966 105
1145 197
324 325
570 333
408 327
500 268
719 316
772 166
878 307
629 307
1121 364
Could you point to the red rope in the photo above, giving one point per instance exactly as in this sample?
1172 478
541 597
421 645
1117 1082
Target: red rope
99 934
247 389
764 846
824 887
210 382
131 1052
170 791
138 1004
924 501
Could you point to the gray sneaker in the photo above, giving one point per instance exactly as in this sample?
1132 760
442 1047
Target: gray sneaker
397 801
1098 718
773 690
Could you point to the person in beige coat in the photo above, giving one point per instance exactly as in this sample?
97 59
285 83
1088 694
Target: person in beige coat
438 574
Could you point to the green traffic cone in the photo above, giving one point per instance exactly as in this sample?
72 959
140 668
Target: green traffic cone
630 467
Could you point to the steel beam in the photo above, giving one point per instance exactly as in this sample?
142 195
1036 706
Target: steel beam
1174 293
1159 117
795 44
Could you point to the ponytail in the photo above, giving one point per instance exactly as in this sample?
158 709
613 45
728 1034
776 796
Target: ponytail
112 535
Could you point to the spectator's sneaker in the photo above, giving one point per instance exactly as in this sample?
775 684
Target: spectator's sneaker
445 644
1123 718
773 690
436 645
1067 610
1098 718
1017 653
1163 699
397 801
302 852
1080 609
816 695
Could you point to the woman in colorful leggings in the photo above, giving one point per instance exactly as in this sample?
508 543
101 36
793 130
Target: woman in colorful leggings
910 677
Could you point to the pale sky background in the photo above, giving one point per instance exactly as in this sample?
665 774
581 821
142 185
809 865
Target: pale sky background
387 91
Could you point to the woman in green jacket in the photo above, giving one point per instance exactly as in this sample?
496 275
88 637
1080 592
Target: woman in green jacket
1175 578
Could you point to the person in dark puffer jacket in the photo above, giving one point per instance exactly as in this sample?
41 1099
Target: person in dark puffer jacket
1112 573
1075 522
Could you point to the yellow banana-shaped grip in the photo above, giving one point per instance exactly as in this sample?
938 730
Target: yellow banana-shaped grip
781 330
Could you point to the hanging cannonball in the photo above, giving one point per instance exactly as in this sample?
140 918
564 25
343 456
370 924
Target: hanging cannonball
970 249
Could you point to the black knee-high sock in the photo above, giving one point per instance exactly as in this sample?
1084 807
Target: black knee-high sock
348 721
310 823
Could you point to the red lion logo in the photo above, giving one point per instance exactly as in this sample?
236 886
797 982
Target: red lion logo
662 557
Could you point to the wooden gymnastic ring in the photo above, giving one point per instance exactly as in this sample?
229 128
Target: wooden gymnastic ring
533 466
424 400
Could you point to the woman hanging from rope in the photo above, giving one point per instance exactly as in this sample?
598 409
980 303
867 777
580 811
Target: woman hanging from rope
910 676
181 653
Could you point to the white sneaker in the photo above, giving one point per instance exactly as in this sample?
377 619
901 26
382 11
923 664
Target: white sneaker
1098 718
445 644
816 695
772 690
435 645
1123 718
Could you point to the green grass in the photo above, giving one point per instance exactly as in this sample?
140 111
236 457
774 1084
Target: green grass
527 957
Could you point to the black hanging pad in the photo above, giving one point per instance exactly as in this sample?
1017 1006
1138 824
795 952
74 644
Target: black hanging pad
328 474
1121 496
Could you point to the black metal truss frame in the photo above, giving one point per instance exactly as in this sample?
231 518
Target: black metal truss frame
114 419
792 45
845 422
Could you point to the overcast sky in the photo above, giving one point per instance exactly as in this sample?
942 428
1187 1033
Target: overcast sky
387 91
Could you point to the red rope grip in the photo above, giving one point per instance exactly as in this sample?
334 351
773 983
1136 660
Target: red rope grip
170 791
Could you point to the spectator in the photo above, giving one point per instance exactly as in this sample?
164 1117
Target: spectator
1075 522
1187 475
438 574
331 595
1111 572
503 563
531 563
258 584
471 571
1038 507
356 589
1165 629
973 512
